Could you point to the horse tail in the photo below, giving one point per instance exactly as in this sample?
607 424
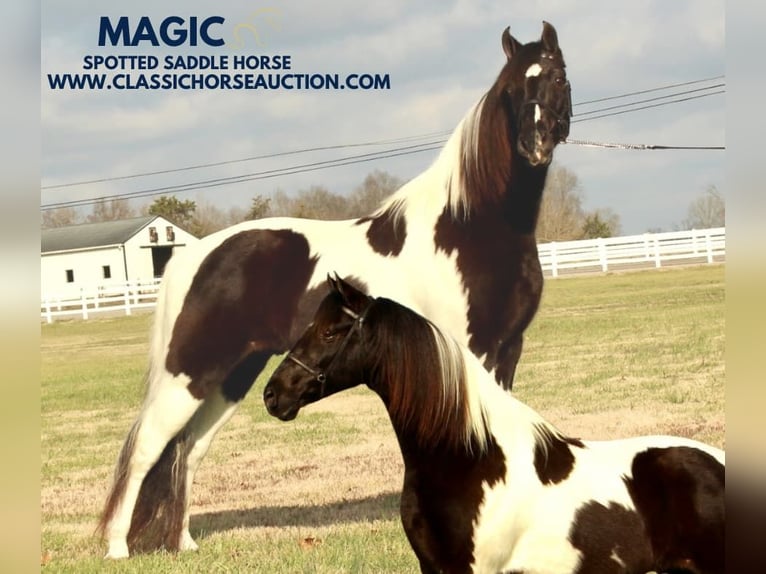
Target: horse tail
158 517
120 480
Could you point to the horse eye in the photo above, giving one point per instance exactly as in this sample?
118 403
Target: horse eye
329 334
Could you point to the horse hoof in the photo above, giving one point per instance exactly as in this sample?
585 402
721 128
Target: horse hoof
117 551
187 542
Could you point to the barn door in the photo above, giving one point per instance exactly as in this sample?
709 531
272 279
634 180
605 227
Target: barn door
160 257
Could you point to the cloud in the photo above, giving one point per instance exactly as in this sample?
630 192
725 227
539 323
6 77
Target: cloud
440 59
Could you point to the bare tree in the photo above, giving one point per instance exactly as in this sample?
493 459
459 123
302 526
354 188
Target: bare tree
318 202
706 211
375 188
561 215
111 210
207 218
280 204
61 217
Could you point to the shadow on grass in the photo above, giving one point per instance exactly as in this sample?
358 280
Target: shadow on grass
384 506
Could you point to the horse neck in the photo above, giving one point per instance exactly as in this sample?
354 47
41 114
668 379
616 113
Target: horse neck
422 381
460 418
478 175
490 173
510 424
523 197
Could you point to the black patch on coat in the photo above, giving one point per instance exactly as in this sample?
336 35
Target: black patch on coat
679 492
554 459
442 492
600 532
499 266
239 310
387 232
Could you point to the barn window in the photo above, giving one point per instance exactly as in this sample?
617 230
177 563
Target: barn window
107 271
70 275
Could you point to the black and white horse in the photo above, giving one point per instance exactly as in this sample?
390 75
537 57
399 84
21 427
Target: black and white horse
489 485
456 243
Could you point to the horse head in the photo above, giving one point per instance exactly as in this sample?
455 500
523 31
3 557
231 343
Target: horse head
533 83
311 370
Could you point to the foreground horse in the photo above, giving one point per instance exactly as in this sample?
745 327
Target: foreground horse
489 486
456 243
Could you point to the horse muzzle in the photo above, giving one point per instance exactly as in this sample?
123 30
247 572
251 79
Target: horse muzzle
538 153
275 409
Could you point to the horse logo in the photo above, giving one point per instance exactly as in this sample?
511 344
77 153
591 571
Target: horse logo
255 23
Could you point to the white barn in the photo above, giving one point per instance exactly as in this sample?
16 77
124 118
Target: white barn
90 254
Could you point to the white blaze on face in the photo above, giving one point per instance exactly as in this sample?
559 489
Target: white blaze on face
533 71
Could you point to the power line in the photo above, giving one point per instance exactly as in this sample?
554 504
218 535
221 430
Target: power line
580 114
240 160
640 92
348 160
378 142
650 106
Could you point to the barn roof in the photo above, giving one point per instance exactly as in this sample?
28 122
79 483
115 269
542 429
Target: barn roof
92 234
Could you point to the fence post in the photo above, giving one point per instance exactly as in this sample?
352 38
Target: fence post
127 297
48 314
84 301
709 246
602 253
554 263
657 260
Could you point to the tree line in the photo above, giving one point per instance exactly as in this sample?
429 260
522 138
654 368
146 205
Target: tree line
562 216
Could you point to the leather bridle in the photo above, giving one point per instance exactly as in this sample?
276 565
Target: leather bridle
319 374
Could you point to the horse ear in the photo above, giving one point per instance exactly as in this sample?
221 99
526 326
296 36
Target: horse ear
352 296
510 44
332 282
550 38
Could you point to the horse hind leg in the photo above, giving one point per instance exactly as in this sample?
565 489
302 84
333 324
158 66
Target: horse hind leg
212 415
208 420
151 451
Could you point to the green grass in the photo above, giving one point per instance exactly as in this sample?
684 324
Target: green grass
606 356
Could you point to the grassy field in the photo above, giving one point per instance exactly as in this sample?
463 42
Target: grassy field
607 356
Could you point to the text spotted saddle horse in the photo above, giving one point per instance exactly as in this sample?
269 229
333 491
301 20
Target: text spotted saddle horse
457 244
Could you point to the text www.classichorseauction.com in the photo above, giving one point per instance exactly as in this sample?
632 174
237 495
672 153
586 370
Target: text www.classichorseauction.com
189 71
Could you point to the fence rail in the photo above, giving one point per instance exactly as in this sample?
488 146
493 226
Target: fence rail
123 298
650 250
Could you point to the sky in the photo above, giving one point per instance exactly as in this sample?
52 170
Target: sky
440 57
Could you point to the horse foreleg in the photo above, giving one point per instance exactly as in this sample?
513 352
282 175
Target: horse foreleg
214 413
507 358
166 412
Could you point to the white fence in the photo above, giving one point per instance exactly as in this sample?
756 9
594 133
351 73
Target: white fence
651 250
123 298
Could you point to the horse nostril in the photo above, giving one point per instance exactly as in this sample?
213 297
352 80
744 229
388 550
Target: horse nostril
268 395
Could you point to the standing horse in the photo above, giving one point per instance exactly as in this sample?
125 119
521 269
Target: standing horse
489 486
456 243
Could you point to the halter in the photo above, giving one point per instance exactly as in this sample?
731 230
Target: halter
321 376
561 119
